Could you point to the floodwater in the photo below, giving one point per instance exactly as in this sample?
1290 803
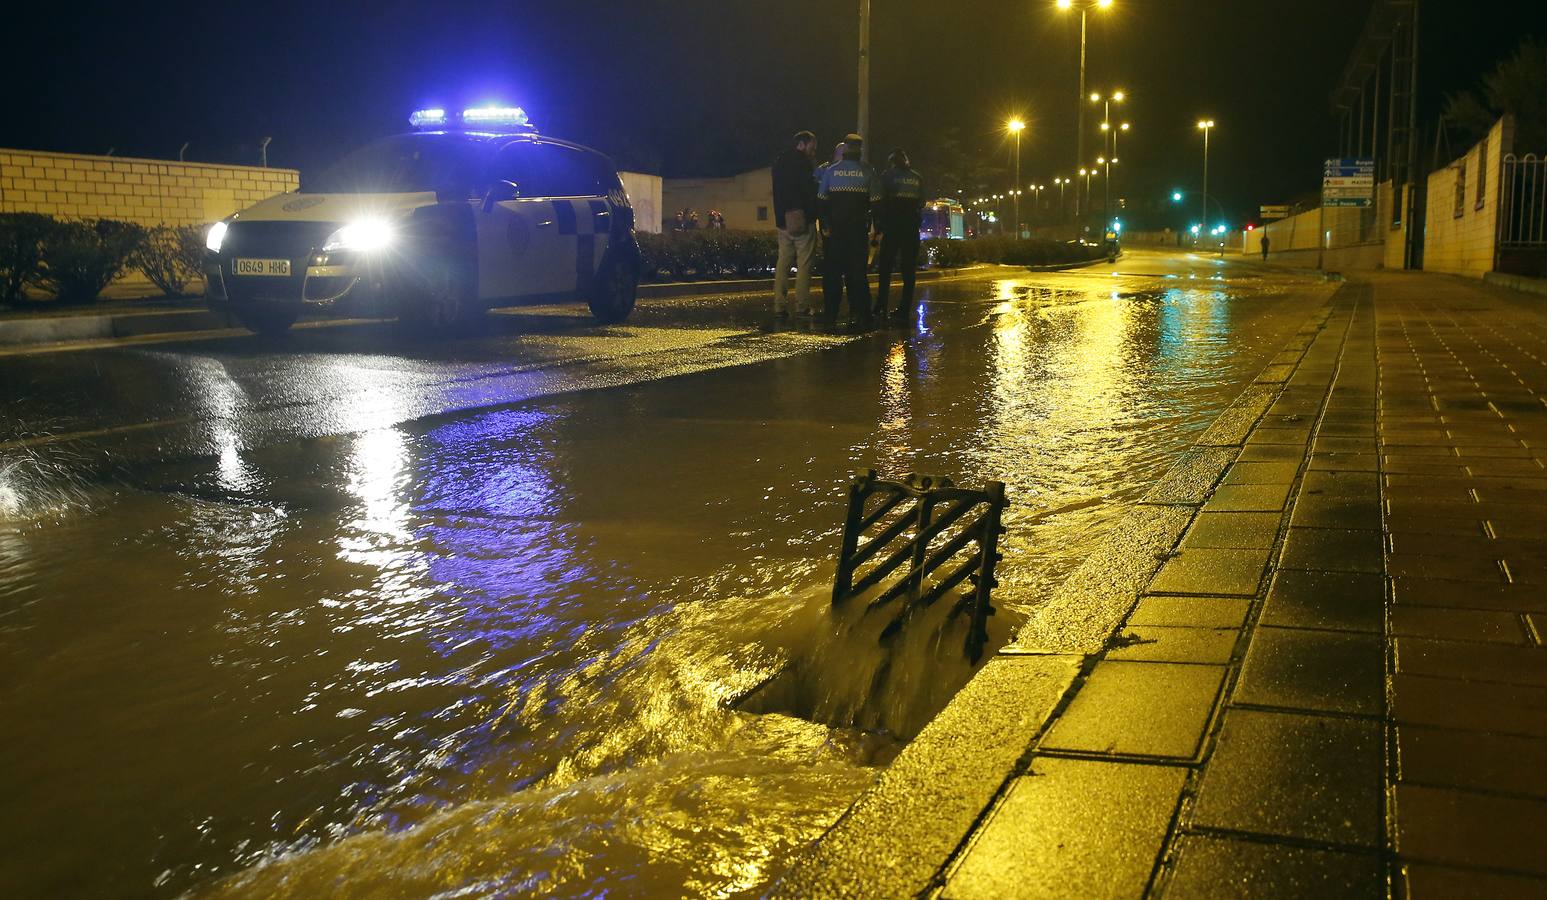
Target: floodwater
491 653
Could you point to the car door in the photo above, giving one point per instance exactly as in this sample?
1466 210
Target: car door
521 252
580 199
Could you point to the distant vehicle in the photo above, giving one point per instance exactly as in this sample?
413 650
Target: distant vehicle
943 219
436 226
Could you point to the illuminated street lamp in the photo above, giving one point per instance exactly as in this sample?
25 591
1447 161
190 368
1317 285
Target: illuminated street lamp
1079 130
1062 183
1206 126
1106 102
1015 127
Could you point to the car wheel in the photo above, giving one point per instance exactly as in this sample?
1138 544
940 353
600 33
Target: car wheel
269 321
448 302
614 290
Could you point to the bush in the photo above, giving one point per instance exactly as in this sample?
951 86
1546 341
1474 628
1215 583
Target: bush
21 252
80 258
707 253
171 257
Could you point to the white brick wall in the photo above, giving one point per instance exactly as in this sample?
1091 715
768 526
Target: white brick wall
1465 243
144 191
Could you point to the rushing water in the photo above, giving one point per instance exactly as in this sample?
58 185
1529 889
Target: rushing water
494 654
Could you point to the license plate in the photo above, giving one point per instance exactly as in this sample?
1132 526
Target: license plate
260 267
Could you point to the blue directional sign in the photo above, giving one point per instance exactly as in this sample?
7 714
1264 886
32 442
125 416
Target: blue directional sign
1348 182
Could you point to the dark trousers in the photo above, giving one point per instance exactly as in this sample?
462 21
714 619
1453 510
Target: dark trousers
899 251
844 268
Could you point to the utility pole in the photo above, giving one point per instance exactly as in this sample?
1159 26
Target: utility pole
264 150
864 74
1079 127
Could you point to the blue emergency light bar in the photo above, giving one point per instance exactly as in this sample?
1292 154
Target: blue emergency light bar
428 118
480 118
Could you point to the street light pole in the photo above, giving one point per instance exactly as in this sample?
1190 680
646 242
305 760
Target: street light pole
1207 125
1016 126
1079 127
864 74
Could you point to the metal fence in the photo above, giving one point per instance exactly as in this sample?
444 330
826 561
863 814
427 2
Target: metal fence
1523 219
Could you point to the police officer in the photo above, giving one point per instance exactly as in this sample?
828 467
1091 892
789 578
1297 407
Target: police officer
844 197
832 279
898 219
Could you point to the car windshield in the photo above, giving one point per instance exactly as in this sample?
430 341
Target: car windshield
408 163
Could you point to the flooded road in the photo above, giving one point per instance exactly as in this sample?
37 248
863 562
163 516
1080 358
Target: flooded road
354 616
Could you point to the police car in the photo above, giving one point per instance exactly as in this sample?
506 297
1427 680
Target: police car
465 213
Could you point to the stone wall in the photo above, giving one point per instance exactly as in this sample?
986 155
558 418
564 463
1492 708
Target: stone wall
1461 230
143 191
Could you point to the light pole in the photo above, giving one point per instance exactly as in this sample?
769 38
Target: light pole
1015 127
864 74
1206 125
1079 125
1061 182
1106 129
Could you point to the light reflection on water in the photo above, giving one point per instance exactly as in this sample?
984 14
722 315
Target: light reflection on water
493 653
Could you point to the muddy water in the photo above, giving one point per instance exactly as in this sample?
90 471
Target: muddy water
491 654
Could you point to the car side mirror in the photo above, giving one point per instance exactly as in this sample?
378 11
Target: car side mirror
499 192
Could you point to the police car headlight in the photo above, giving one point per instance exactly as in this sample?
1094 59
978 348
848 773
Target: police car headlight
361 235
215 237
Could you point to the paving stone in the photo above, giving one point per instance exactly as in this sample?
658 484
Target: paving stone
1293 436
1232 530
1344 462
1139 709
1463 828
1221 868
1458 567
1417 523
1424 881
1204 571
1262 473
1458 624
1194 612
1248 498
1331 511
1297 776
1352 485
1499 764
1327 671
1336 443
1333 550
1271 453
1163 643
1523 665
1072 828
1190 480
1345 601
1360 429
1407 590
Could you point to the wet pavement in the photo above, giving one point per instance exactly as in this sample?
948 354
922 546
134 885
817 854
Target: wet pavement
1324 668
354 613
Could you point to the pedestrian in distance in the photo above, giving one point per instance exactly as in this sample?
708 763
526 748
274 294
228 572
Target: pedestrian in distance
899 216
1264 246
794 200
848 190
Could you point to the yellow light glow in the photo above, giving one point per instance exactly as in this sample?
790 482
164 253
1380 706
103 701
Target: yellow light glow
1205 123
1118 96
1103 3
1015 125
1095 98
1065 4
1125 126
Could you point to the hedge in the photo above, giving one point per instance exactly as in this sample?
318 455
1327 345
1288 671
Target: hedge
74 259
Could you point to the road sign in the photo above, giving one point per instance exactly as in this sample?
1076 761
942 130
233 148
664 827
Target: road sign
1348 182
1274 212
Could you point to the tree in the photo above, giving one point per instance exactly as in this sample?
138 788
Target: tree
953 170
1518 86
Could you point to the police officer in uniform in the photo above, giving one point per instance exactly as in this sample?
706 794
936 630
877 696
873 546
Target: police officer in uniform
898 219
832 279
844 198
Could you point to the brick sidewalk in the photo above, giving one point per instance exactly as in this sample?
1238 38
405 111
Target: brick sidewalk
1335 682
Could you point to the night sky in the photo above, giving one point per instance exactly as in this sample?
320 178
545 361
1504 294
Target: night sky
703 87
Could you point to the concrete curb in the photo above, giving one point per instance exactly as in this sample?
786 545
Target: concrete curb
1520 283
58 329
